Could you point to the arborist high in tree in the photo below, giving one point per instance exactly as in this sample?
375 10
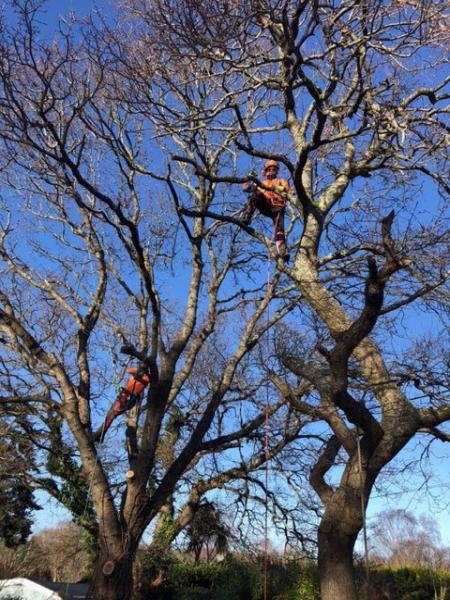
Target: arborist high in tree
270 200
126 399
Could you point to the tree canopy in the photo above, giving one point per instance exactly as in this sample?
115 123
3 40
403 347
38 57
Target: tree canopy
124 149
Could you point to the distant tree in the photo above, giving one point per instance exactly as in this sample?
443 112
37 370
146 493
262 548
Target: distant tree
59 553
16 492
401 539
207 533
64 552
21 561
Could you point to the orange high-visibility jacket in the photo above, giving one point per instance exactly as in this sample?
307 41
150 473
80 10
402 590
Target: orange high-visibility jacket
273 195
137 386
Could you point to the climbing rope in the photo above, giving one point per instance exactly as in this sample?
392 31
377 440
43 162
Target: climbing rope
266 515
266 444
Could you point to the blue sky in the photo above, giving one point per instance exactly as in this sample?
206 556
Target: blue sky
57 8
53 10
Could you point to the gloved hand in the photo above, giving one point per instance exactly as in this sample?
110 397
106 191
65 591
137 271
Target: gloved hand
249 186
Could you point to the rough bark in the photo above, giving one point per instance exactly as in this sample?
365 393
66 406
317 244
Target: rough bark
335 562
117 584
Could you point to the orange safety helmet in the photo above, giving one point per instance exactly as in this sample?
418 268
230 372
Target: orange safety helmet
271 163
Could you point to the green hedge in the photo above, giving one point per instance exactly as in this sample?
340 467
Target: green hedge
305 587
412 583
236 579
242 579
206 580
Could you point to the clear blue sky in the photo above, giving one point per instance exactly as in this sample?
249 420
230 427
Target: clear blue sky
57 8
53 10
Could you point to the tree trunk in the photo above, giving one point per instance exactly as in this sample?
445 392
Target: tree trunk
113 578
337 581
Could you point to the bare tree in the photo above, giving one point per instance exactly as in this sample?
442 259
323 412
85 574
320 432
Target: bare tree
23 561
97 255
128 146
374 128
58 554
401 539
63 551
351 99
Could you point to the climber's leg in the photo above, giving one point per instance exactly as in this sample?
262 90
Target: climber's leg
280 236
122 403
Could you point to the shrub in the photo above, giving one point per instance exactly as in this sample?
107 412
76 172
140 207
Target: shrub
306 586
238 578
229 580
233 579
409 583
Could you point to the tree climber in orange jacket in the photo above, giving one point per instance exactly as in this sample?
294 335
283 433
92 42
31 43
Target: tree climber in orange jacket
270 201
126 399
